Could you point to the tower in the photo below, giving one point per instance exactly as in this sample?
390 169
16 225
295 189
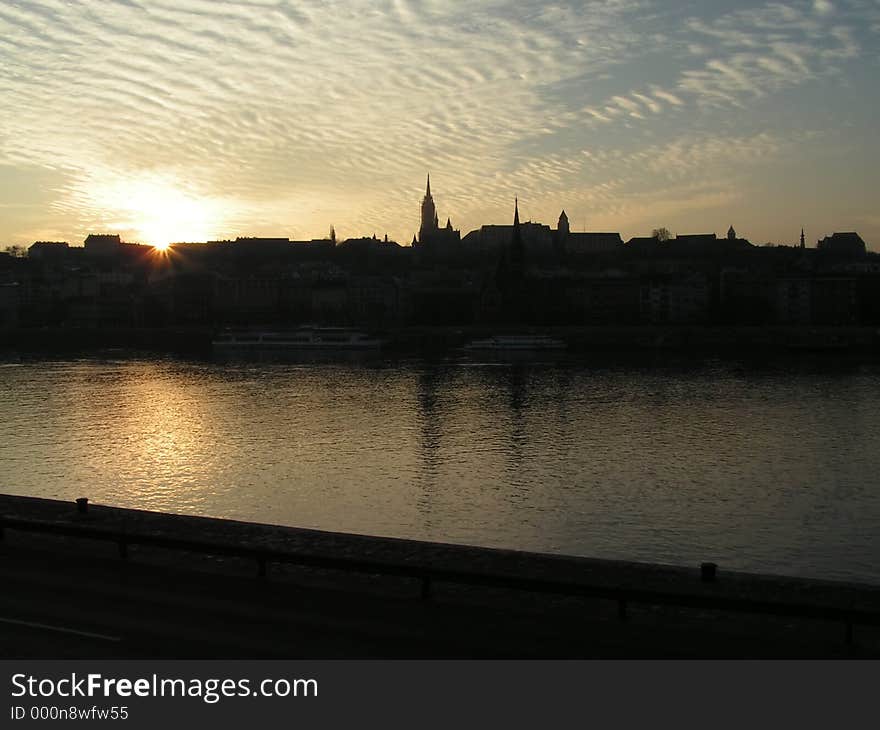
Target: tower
517 248
510 274
803 242
731 234
429 213
434 240
511 265
563 226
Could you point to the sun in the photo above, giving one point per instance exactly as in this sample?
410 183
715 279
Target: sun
159 210
164 216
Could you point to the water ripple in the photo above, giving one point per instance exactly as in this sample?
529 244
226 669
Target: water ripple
761 466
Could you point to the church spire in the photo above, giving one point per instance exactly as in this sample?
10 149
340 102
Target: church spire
429 213
513 257
516 242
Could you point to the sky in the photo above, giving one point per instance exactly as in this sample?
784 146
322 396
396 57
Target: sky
173 120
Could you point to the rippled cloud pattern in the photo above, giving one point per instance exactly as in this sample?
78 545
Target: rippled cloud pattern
198 119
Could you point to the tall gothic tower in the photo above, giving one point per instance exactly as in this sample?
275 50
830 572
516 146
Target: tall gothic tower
510 274
517 247
429 213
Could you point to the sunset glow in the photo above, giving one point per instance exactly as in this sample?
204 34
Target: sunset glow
628 115
156 212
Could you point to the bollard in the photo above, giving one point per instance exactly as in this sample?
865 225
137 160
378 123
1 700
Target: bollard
82 505
707 572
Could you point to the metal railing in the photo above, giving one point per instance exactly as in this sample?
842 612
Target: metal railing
427 575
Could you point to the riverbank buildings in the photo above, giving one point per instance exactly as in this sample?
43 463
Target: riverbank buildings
518 273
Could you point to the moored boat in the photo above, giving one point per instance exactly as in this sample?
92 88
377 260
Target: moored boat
302 338
515 343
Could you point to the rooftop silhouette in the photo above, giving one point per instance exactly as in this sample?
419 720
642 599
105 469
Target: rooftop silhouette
522 272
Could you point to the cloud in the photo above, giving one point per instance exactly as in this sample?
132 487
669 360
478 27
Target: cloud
264 103
625 188
768 48
285 116
667 97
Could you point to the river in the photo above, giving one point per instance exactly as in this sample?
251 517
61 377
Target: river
757 465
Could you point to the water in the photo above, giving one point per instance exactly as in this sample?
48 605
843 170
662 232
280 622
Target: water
758 466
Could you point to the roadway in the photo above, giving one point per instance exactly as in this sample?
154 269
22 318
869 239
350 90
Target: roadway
75 599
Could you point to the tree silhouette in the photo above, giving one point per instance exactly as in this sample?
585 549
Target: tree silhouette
661 234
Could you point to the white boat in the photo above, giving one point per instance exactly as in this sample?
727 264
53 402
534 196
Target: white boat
510 343
302 338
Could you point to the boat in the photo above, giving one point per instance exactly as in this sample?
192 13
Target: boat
302 338
515 343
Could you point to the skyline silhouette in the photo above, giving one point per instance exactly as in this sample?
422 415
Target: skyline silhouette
430 234
522 273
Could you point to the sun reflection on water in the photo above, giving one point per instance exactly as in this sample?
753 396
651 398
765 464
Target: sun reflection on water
665 463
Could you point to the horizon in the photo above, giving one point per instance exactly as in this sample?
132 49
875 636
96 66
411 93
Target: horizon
408 244
167 122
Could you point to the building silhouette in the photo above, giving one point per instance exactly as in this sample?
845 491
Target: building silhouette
520 273
102 244
849 243
429 220
54 251
434 240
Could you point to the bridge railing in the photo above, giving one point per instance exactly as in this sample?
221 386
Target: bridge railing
427 575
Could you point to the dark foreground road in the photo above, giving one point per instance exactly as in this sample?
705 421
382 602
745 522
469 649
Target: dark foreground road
70 599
